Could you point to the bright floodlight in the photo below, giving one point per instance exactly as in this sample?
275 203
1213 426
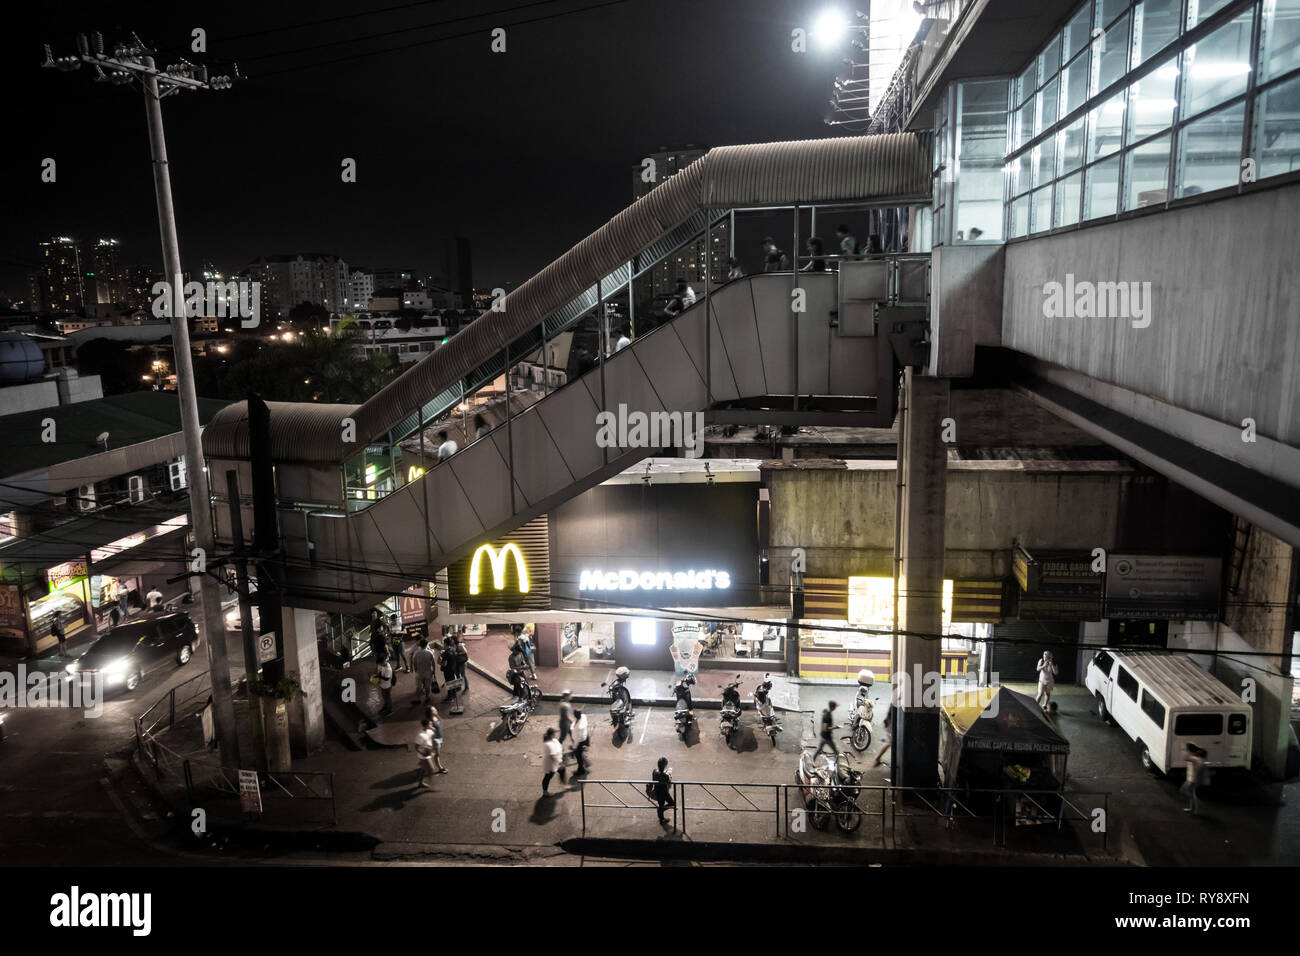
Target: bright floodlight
830 28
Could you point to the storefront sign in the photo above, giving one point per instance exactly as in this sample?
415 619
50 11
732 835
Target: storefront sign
13 620
871 602
1057 585
250 792
497 560
1163 587
61 575
625 580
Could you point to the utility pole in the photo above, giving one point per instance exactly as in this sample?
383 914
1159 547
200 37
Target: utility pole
134 62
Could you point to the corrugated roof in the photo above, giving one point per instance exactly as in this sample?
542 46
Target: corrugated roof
1176 679
128 419
849 169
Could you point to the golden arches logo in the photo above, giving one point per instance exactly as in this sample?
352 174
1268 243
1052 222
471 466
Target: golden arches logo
498 561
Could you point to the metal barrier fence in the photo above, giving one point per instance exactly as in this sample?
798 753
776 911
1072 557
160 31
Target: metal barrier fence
792 816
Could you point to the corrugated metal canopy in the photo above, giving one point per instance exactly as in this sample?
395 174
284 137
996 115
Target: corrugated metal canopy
852 169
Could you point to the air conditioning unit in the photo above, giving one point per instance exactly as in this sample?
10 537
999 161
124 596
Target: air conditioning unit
135 489
86 498
176 474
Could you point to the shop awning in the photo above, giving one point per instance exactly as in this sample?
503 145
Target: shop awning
75 539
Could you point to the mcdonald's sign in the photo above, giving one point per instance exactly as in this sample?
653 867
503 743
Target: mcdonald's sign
497 561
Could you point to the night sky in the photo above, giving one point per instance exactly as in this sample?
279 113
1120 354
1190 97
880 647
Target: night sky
523 152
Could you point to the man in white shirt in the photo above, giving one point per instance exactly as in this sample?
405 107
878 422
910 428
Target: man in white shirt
623 342
447 448
581 741
552 760
154 599
688 297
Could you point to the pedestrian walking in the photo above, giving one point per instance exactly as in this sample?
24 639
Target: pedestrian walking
398 644
1194 757
481 427
848 243
552 760
460 658
828 731
581 741
526 645
424 664
566 714
815 252
446 447
661 784
1047 671
378 635
435 721
384 672
623 341
154 599
774 260
734 271
114 617
890 716
60 635
426 747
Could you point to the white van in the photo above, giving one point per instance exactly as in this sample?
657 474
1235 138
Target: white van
1163 700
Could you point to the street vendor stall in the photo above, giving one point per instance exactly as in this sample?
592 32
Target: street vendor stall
993 739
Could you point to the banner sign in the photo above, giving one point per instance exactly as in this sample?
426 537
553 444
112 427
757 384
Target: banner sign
1163 587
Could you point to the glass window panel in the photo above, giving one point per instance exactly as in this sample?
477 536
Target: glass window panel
1049 61
1042 210
1198 11
1067 199
1047 106
1025 124
1018 175
1074 84
1026 83
1155 25
1106 127
1070 146
1101 190
1151 101
1218 67
1077 31
1045 161
1277 129
1209 152
981 142
1020 217
1110 56
1108 10
1280 38
1146 174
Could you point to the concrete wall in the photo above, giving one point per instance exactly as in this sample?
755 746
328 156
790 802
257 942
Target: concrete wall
1223 340
844 517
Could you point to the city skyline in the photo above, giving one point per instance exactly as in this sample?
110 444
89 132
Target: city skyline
516 180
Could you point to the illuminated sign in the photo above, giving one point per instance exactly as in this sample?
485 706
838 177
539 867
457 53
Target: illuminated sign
371 472
61 575
415 471
871 602
498 561
653 580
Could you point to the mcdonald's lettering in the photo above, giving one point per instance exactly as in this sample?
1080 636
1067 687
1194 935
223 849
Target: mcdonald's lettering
497 559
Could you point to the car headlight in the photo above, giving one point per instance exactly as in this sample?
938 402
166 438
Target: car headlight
116 669
71 668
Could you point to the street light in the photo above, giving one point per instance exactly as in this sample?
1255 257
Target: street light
830 27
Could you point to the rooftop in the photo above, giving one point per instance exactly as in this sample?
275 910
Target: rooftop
128 419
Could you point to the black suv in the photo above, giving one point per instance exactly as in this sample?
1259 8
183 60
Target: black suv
127 653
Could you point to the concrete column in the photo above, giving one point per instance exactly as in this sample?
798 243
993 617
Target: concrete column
301 659
920 586
547 637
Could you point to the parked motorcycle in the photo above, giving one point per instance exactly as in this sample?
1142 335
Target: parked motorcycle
683 713
864 711
620 707
515 714
766 712
830 789
729 719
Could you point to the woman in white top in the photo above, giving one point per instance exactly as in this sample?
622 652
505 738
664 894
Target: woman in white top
424 747
1046 679
552 760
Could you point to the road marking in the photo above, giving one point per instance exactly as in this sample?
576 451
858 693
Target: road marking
645 726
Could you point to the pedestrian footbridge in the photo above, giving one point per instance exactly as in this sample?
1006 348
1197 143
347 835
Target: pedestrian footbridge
364 506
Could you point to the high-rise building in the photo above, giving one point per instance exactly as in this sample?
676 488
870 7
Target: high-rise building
688 262
138 282
59 284
453 270
109 277
387 280
314 277
361 289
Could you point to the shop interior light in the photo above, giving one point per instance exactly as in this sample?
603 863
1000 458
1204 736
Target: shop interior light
644 632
